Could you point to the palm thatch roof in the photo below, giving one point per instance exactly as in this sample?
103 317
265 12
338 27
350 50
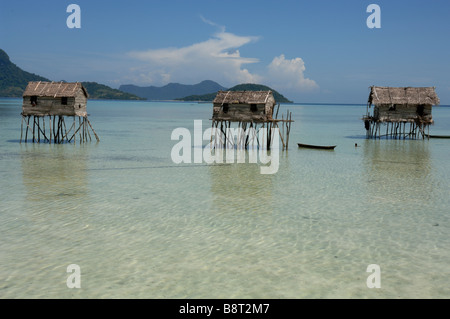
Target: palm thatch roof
53 89
403 95
242 97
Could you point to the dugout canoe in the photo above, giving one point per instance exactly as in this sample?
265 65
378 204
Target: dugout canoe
319 147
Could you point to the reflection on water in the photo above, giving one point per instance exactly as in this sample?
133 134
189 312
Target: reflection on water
43 230
240 187
397 170
50 172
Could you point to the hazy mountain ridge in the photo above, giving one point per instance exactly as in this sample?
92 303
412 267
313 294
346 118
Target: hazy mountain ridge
172 91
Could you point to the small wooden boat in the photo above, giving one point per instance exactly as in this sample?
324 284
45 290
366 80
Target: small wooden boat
437 136
320 147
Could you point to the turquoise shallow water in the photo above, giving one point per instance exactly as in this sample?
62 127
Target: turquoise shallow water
140 226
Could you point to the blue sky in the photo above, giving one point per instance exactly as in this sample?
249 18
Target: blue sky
310 51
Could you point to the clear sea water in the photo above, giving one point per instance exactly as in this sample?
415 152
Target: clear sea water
140 226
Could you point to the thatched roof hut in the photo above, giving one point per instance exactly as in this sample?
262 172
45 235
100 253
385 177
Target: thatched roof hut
397 107
403 103
382 95
253 106
54 98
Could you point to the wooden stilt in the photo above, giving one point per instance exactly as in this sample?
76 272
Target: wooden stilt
65 130
98 140
28 127
79 130
38 129
43 127
21 130
289 130
34 125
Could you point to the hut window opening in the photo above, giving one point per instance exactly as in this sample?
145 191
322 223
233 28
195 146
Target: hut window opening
420 110
253 108
225 108
393 107
64 100
33 100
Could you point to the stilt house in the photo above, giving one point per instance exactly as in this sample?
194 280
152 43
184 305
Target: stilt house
249 109
56 100
406 111
238 106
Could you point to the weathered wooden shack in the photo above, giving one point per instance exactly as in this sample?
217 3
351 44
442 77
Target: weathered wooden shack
56 100
405 111
249 109
256 106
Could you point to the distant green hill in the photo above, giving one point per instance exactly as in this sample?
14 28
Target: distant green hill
100 91
279 98
14 80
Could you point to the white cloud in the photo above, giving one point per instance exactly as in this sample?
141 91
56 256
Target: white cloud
289 74
217 58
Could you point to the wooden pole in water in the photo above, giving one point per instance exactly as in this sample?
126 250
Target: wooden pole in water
289 131
215 133
74 136
65 129
281 136
98 140
79 125
60 134
54 129
39 128
67 132
82 131
50 129
34 124
43 127
28 127
87 129
21 130
57 130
